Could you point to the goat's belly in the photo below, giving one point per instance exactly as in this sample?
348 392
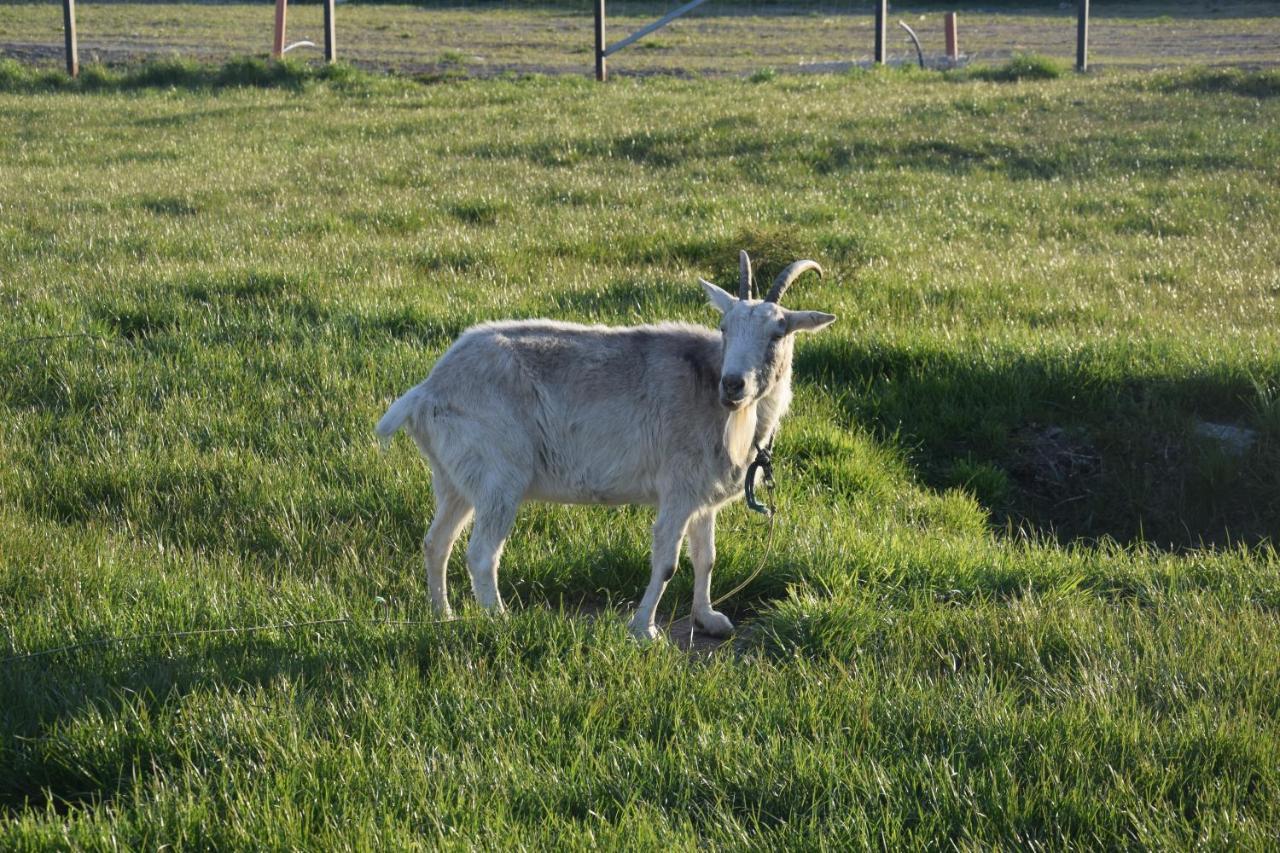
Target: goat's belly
587 463
589 476
557 490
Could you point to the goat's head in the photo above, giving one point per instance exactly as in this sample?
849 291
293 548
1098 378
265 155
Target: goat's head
757 333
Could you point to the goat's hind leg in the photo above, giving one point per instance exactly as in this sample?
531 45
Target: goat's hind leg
494 518
453 511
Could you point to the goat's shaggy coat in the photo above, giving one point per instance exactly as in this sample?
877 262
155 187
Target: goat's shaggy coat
549 411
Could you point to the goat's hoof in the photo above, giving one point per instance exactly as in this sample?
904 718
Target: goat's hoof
644 633
713 623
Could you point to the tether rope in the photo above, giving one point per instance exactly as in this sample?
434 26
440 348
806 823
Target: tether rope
764 559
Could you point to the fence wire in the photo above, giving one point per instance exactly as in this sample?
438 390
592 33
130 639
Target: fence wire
462 39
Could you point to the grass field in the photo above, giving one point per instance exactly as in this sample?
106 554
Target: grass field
1017 596
720 38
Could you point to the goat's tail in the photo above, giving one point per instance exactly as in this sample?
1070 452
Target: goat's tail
400 412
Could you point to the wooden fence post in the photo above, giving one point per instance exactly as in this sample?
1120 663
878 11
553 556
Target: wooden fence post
602 70
69 36
953 49
277 43
882 16
1082 37
330 43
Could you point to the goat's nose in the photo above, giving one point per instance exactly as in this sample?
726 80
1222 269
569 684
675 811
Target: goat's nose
733 386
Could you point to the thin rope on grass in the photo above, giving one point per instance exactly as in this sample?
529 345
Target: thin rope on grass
768 546
764 558
232 629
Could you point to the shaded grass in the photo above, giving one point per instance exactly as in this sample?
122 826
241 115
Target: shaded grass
16 77
1233 81
1027 66
947 646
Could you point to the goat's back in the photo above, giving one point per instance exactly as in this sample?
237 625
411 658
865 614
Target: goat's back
593 361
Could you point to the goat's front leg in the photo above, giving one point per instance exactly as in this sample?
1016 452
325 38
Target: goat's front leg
702 552
668 531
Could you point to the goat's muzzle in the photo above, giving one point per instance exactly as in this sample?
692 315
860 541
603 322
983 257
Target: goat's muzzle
733 392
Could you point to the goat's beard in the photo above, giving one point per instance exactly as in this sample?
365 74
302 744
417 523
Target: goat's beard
740 431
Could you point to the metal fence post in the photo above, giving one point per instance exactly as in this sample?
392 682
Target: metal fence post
330 43
1082 37
953 47
882 16
602 70
69 35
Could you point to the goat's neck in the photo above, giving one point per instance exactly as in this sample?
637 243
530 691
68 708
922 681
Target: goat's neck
772 406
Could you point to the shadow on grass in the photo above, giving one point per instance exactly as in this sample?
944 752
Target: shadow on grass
1222 81
85 727
177 74
1067 445
57 689
47 763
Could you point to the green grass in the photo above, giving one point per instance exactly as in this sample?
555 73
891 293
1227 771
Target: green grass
1015 599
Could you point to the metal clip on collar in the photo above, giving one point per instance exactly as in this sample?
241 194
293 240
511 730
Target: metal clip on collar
764 462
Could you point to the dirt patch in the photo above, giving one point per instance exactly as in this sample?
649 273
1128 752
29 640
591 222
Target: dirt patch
1055 465
676 632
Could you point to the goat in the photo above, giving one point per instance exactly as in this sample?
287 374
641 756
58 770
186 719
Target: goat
664 414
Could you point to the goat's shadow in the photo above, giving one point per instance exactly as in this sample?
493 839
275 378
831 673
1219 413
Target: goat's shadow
1065 447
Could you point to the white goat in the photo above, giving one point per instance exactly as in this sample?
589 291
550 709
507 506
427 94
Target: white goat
665 414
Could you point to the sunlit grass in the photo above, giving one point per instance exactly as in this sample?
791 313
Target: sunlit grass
1014 597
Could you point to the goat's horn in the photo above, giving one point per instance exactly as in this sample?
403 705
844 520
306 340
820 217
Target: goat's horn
744 277
788 275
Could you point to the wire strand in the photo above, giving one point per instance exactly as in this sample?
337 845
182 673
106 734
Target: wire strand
33 339
231 629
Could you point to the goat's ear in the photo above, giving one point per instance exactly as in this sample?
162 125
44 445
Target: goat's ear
808 321
720 300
